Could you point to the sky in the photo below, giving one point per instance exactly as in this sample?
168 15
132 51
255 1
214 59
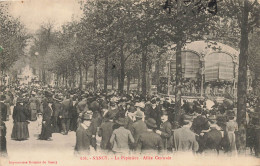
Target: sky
33 13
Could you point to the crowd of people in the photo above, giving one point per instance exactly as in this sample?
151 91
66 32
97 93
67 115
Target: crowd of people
126 123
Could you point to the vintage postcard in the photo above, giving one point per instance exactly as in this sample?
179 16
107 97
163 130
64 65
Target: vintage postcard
129 82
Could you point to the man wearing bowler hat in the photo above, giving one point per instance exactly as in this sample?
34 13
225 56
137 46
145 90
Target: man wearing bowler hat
121 137
105 131
139 126
149 141
165 131
184 138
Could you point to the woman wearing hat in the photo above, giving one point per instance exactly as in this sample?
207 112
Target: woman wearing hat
231 127
20 116
121 137
84 134
149 141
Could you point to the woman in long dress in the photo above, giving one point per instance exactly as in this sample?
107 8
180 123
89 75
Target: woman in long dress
20 116
46 132
231 127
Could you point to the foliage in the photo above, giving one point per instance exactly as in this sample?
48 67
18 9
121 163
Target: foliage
13 38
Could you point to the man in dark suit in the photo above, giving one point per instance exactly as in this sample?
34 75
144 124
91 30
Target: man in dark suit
105 131
3 108
65 115
155 113
166 132
149 141
139 126
56 107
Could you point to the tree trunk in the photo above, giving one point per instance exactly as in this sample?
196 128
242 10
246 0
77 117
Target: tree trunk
122 70
1 77
118 81
95 73
86 76
106 74
66 79
43 77
112 77
157 68
138 82
144 63
80 77
148 80
242 80
63 79
178 82
128 83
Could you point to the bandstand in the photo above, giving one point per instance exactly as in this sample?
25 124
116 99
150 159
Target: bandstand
209 69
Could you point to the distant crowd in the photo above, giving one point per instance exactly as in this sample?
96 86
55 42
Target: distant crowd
126 123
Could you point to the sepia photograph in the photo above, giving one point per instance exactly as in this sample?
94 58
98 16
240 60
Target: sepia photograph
130 82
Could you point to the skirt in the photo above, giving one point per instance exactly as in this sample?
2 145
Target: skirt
46 131
20 131
3 150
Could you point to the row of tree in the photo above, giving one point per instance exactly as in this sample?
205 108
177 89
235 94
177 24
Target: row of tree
13 38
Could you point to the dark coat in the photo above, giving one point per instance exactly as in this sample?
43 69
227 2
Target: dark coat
20 113
156 115
210 140
3 110
2 129
128 123
3 150
147 110
114 112
121 111
83 138
81 105
57 107
47 112
166 129
199 123
67 106
138 128
149 142
105 131
34 103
